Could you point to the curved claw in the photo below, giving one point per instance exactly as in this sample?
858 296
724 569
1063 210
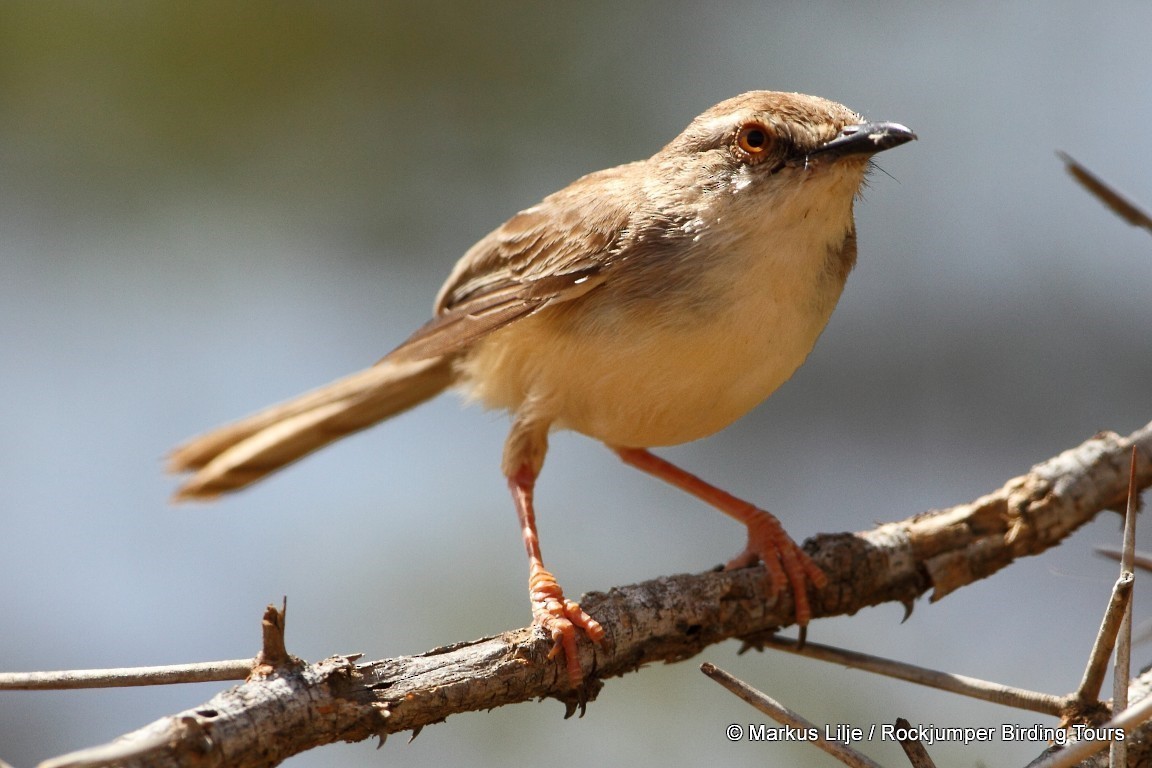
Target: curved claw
560 618
786 563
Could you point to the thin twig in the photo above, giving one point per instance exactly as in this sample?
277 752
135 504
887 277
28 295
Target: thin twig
1116 202
781 714
1118 755
1141 560
984 690
1097 667
200 672
913 748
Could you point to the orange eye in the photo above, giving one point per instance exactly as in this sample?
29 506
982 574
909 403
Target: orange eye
754 139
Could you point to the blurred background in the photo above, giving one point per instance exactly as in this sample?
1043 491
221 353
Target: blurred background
209 207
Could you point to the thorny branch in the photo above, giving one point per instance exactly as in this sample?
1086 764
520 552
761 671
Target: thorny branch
289 709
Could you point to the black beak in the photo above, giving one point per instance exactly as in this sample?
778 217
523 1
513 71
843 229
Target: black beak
865 139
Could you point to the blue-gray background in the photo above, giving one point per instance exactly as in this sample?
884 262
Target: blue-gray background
205 208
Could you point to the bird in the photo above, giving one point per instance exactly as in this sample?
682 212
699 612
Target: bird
646 305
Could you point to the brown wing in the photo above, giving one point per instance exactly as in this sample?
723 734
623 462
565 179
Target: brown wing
555 251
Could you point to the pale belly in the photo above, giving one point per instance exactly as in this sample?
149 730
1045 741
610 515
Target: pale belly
649 384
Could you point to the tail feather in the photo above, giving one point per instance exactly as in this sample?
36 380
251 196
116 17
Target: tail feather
239 454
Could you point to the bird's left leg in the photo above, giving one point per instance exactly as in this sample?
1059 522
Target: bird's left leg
768 542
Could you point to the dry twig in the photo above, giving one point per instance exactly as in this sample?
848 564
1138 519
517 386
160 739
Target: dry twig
1103 192
788 718
984 690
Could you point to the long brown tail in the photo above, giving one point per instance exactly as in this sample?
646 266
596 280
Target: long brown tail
239 454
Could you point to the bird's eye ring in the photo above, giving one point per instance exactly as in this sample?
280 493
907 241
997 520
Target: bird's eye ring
754 140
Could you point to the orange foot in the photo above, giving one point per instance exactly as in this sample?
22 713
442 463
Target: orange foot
767 541
560 618
785 561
